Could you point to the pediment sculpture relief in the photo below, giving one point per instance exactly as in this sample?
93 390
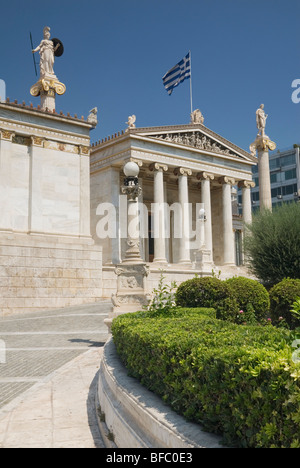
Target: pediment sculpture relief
197 140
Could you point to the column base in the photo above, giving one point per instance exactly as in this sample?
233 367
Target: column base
162 261
131 294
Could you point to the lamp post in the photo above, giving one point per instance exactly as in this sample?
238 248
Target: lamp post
132 189
132 293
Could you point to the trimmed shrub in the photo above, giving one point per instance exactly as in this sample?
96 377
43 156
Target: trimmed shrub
236 381
272 244
248 292
207 292
282 297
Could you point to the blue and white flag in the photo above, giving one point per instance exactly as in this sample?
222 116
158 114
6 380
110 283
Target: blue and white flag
178 74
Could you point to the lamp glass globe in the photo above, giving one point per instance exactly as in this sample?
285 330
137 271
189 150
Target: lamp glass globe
131 169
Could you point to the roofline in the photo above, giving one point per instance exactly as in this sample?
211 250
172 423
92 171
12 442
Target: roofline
147 131
45 113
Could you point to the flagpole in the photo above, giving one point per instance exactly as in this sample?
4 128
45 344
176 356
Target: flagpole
191 96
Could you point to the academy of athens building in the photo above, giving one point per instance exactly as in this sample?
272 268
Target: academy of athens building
55 187
184 164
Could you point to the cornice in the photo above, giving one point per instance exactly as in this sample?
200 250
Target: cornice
37 111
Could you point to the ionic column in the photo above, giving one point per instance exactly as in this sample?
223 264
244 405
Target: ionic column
159 213
183 197
206 200
228 234
246 185
262 144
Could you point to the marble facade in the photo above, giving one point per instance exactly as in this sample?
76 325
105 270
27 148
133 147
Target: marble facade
184 164
48 258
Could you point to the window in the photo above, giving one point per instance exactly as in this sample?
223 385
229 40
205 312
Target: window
291 174
289 189
288 160
274 164
273 178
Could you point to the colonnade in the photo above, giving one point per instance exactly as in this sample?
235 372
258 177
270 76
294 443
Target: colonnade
205 182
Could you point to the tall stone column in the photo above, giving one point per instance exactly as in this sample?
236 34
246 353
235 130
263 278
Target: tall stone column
206 200
228 234
159 213
246 186
262 144
183 196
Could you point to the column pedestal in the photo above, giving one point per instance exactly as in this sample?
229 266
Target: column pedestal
131 295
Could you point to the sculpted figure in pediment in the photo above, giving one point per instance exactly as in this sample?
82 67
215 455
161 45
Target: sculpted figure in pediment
197 117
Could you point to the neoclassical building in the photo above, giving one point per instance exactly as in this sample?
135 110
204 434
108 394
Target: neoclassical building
180 166
64 224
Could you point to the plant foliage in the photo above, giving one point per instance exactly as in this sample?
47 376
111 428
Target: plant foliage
282 297
250 295
240 382
272 244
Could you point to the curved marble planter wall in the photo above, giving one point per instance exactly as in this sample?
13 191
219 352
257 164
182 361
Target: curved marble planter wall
136 418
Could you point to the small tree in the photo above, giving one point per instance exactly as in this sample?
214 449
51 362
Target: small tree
272 244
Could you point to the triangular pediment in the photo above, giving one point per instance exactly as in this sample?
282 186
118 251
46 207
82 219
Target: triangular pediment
197 137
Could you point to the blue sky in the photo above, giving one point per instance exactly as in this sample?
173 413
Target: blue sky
244 53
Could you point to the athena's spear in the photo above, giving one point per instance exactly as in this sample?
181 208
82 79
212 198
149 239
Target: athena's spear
33 54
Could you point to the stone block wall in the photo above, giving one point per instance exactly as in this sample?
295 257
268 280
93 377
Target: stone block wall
40 272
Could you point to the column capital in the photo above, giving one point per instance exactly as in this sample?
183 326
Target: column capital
158 167
262 143
246 184
182 171
84 150
227 180
205 176
36 141
6 135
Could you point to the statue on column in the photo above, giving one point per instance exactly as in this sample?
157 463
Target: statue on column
262 145
261 118
48 85
262 140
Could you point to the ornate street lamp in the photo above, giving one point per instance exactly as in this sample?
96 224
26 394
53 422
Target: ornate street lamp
132 189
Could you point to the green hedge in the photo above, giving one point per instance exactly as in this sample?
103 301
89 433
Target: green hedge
248 292
236 381
208 292
227 297
282 296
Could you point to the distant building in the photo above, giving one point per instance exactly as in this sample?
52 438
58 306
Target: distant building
284 177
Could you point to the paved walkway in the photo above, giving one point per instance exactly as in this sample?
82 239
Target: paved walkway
48 372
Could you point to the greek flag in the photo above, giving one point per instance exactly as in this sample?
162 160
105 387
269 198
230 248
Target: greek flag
178 74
